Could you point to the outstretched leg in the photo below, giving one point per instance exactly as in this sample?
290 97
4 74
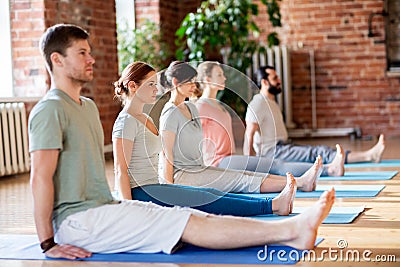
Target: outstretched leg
283 203
306 226
374 154
336 167
308 181
227 232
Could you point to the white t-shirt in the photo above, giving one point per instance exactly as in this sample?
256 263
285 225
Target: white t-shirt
267 114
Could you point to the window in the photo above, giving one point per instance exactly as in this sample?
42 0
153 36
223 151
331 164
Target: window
126 12
6 74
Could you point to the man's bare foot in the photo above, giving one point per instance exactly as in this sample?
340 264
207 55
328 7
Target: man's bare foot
377 150
336 167
283 203
372 155
304 227
308 181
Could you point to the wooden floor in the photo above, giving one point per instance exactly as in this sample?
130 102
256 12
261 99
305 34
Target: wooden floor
377 229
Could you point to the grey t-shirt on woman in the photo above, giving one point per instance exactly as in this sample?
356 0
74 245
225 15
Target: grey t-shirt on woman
143 165
187 148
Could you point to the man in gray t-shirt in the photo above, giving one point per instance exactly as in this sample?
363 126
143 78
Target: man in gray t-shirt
266 133
58 123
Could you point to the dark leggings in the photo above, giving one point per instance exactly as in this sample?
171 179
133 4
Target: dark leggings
205 199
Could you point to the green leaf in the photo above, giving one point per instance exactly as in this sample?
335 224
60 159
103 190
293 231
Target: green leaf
272 39
180 32
253 27
179 54
274 14
190 29
254 9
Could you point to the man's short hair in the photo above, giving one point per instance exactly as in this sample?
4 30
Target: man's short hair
262 74
58 38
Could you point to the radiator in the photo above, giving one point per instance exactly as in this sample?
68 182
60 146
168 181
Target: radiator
14 154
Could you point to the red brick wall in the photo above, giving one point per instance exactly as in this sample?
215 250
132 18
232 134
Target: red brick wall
170 19
352 86
301 84
28 66
97 17
147 10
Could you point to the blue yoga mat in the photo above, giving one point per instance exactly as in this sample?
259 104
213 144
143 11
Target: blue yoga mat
26 247
383 163
361 176
342 191
337 215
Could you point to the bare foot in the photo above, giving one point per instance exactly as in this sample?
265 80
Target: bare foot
304 227
336 167
308 181
283 203
377 151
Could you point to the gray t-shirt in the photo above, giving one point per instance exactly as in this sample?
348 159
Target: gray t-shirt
143 165
267 114
58 122
187 149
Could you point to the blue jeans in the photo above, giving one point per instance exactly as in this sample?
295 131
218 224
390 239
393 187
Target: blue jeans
205 199
305 153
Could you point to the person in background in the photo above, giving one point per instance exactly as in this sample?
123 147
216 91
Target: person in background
266 134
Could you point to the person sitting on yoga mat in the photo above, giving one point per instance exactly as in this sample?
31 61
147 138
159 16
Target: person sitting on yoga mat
266 133
74 212
219 144
136 147
182 137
